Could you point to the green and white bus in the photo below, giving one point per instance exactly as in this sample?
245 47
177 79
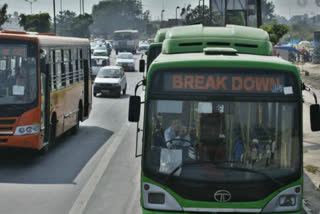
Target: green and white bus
155 48
222 127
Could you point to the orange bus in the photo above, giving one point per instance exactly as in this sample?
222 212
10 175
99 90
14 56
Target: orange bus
45 88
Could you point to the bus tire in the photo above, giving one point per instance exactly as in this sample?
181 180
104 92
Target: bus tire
75 129
117 52
44 150
52 132
94 94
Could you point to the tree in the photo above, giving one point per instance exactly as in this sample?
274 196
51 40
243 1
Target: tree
69 24
276 31
3 14
64 22
199 15
267 11
112 15
80 26
36 22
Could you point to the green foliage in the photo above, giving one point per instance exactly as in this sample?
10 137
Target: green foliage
3 14
69 24
312 169
36 22
267 11
199 15
112 15
80 25
276 31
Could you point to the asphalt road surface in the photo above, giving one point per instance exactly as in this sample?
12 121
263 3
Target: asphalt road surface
94 171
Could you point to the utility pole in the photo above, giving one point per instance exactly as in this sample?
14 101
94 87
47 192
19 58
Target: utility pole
54 17
203 12
225 12
83 7
259 13
31 2
61 6
177 14
80 7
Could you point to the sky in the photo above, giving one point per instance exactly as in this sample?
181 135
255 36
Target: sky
283 7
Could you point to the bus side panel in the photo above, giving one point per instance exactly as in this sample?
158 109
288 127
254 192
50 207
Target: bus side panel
72 95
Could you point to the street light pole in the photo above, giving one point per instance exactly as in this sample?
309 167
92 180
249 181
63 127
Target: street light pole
162 11
83 6
54 17
31 2
177 12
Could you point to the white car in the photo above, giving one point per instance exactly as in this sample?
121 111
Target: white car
143 47
110 80
126 61
100 50
97 62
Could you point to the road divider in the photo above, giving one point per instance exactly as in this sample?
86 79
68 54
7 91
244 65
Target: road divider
89 188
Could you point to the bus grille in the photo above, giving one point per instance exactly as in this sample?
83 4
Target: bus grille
3 140
7 122
6 127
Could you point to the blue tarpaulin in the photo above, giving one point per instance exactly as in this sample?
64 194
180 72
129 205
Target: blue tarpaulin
287 47
293 42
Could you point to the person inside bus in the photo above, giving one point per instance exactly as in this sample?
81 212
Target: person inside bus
176 135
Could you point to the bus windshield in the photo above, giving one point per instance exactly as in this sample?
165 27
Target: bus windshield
211 139
18 72
123 36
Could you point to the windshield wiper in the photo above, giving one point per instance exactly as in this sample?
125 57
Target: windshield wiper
217 165
186 164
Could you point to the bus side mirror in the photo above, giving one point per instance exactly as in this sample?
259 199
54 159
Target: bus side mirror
43 65
315 117
142 65
134 108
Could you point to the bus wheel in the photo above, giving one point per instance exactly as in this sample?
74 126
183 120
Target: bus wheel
117 52
52 134
94 94
75 129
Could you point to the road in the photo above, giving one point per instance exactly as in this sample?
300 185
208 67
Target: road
56 182
92 172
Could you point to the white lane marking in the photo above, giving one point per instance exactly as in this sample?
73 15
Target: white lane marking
89 188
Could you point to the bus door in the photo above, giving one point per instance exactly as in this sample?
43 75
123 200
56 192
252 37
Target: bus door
45 99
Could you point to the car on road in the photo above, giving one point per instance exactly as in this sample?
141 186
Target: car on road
110 80
101 50
143 47
126 61
97 62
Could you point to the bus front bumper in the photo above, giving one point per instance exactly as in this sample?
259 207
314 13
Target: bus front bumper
145 211
26 141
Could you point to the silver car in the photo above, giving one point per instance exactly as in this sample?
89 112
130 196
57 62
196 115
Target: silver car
110 80
126 61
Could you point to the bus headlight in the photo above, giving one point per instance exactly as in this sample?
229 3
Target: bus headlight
289 200
26 130
156 198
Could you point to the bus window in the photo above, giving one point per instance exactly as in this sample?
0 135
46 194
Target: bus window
58 62
70 68
18 73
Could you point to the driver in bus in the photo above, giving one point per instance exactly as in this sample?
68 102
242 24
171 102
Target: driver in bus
177 135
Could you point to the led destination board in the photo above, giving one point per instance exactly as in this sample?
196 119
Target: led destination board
13 50
252 82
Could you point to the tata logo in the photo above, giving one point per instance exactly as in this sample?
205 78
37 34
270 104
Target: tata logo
222 196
